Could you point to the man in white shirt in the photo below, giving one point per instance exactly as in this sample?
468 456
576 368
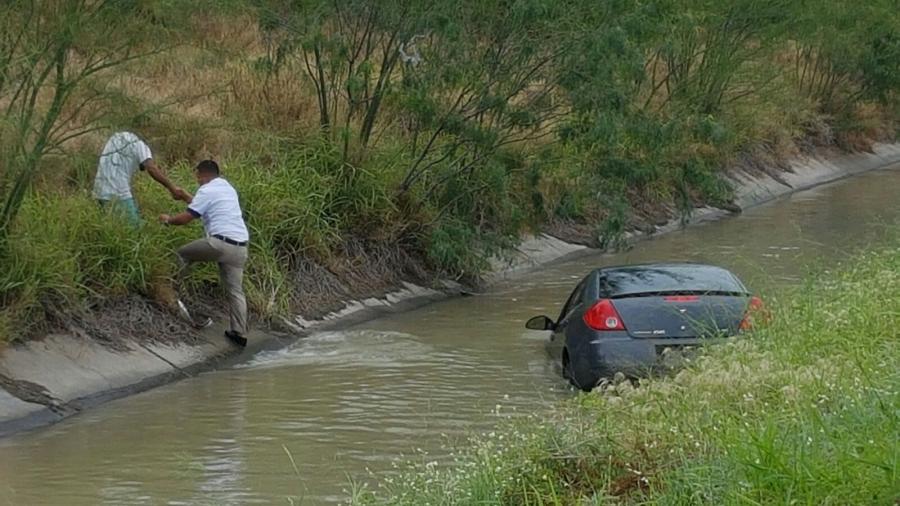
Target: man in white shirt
216 204
123 155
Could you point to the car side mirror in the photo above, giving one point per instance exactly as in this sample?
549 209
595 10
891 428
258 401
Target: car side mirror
540 323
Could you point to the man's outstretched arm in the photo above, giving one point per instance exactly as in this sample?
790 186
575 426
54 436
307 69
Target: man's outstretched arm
160 177
182 218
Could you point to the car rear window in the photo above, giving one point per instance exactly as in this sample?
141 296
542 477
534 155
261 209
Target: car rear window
678 279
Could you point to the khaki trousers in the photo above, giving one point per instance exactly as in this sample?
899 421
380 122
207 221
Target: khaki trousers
231 260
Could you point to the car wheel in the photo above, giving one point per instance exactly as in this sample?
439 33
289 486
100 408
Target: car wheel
568 373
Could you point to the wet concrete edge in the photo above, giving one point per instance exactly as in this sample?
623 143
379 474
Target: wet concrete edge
76 376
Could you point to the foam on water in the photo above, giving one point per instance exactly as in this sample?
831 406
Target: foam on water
352 348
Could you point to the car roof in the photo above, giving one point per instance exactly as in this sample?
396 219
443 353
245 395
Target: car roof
662 265
667 277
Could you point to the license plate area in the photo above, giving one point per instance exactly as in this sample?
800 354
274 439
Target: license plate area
674 355
667 349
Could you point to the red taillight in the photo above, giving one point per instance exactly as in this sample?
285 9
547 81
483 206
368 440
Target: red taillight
756 310
603 316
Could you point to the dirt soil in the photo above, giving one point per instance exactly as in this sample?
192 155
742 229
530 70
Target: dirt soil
135 318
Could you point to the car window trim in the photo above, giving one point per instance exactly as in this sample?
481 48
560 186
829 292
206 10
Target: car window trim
573 301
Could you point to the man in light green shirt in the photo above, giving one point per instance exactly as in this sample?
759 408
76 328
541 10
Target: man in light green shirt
123 155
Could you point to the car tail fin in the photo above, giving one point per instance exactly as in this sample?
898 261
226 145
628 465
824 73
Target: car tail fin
603 316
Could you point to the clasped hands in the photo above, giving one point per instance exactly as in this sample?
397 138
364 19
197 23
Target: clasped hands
179 193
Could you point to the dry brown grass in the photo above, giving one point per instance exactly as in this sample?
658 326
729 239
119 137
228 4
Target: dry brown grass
275 102
361 269
235 35
868 123
196 99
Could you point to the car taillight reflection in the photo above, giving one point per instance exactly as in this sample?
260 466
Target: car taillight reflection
756 313
603 316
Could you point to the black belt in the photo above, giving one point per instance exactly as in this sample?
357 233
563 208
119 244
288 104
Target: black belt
229 241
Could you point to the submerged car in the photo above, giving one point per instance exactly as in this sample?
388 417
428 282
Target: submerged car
627 318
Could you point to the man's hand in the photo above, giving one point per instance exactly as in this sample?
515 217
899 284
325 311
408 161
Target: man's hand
164 219
179 193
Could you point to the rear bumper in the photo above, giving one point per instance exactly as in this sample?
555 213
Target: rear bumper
639 356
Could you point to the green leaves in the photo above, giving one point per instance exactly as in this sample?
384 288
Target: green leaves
880 65
847 52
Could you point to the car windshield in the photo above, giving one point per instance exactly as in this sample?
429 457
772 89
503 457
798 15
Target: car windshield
668 279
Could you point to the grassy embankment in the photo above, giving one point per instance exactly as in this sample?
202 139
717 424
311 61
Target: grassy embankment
803 411
357 168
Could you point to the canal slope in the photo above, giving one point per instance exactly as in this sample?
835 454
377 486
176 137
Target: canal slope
45 380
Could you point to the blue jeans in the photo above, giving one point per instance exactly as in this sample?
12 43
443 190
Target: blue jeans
127 207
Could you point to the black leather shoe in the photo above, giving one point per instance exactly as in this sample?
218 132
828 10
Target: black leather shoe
236 338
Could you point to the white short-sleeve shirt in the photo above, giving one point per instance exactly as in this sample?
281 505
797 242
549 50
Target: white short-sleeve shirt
122 156
217 204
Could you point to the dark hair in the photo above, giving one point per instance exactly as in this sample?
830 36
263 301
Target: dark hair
208 167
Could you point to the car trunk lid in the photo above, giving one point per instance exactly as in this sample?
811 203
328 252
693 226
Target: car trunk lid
681 315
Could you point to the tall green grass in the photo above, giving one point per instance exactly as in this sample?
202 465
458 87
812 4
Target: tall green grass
802 411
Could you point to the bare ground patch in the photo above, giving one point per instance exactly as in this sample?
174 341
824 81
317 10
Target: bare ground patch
363 269
116 322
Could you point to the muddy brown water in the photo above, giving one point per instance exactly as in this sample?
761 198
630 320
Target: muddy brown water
348 405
